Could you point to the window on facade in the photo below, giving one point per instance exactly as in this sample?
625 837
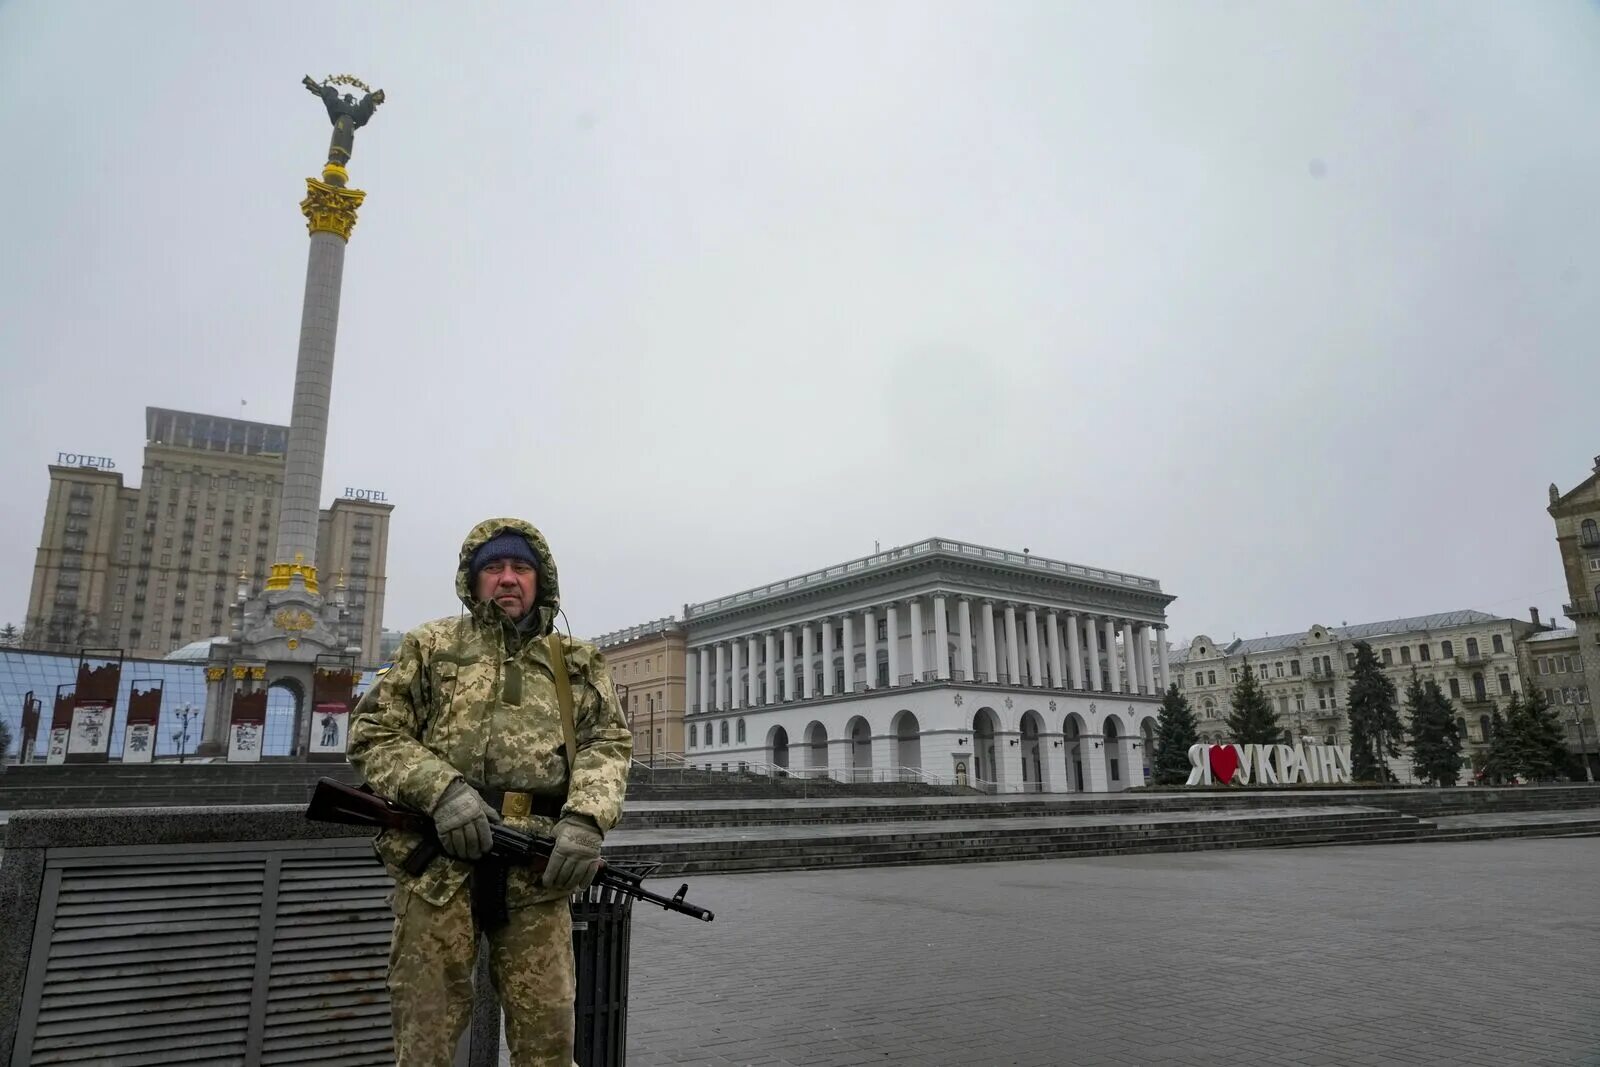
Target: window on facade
1199 678
1505 685
1455 688
1299 702
1479 690
1405 653
1497 643
1447 649
1472 648
1233 674
1388 657
694 736
739 733
1589 532
1322 699
1277 669
1211 677
722 733
1294 667
1350 660
1424 653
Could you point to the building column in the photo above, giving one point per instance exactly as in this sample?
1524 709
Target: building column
1013 661
991 667
941 638
790 690
1074 650
1092 748
1113 669
827 655
1052 623
1034 668
808 677
755 676
1096 676
770 641
691 674
1132 760
704 658
918 660
1133 656
1130 658
869 638
733 675
892 635
849 652
722 676
1161 657
964 629
1149 659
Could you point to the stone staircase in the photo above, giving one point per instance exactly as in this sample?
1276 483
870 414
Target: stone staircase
960 841
704 822
117 785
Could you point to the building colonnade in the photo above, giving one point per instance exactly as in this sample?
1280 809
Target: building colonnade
1009 643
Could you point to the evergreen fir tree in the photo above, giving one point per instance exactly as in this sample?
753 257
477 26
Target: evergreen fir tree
1435 738
1500 763
5 744
10 636
1176 731
1540 742
1253 720
1374 723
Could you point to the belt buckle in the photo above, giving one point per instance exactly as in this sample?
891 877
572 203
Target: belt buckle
517 806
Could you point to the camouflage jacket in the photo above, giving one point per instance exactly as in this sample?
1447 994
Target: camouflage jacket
473 697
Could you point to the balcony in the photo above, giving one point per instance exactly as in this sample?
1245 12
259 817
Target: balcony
1582 607
1478 660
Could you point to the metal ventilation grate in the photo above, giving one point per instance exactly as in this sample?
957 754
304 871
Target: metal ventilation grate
150 963
327 1002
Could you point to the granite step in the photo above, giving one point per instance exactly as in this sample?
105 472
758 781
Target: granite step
893 851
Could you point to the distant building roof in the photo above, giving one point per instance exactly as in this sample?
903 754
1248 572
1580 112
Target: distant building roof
1565 633
194 651
1443 620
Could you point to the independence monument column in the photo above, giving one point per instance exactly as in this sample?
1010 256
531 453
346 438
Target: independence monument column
330 211
289 635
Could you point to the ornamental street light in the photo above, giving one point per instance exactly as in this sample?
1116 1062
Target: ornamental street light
181 736
1583 743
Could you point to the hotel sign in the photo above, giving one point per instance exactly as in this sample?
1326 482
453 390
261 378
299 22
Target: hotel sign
374 495
78 459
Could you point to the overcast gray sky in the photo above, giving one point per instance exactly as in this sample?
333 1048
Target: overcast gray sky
1291 306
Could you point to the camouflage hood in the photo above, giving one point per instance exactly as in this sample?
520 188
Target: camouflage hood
546 599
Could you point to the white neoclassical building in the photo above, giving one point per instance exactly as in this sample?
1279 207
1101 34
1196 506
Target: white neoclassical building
938 660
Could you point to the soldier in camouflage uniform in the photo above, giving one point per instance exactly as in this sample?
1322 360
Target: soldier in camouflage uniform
466 726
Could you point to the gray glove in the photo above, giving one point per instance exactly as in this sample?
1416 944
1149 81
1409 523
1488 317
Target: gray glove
461 819
575 859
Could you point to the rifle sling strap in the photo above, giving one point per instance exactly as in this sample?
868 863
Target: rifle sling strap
558 667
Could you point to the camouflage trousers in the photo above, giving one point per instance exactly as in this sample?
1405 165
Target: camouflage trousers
430 980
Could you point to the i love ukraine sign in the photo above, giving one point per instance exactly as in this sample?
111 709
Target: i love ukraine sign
1269 764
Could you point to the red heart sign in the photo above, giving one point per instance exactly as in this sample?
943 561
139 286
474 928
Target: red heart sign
1224 760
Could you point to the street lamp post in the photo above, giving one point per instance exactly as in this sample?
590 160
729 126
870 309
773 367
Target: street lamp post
184 714
1583 743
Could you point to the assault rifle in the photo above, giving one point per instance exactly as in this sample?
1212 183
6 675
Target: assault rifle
333 801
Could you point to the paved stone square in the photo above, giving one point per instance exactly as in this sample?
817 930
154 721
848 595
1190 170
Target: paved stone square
1463 953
